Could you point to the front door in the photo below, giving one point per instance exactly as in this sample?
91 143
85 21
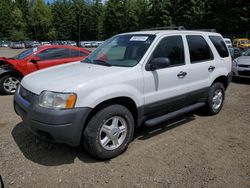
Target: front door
165 89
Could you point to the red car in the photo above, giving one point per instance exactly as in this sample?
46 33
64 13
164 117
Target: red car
13 69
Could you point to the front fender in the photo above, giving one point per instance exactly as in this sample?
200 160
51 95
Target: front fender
105 93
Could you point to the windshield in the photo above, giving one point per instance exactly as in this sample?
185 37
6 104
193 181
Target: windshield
25 53
122 50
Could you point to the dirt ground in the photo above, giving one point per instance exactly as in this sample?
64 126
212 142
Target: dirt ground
191 151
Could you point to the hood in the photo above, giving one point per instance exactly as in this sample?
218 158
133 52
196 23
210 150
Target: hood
63 77
243 60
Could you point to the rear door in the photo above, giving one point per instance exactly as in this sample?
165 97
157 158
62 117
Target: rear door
202 65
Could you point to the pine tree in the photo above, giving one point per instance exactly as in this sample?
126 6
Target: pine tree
63 19
19 25
41 19
6 7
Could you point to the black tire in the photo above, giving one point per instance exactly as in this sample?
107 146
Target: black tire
91 135
209 108
3 89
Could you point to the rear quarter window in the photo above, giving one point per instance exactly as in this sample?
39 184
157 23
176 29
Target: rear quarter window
220 45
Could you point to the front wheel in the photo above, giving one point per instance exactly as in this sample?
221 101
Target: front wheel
216 98
109 132
8 84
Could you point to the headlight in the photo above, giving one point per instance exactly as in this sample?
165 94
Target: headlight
56 100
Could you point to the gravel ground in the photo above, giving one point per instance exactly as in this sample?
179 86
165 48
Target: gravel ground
191 151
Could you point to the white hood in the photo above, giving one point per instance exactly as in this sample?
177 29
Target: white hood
60 78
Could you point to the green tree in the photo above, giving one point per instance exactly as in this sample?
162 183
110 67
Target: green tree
159 13
25 7
6 7
18 30
114 17
41 19
188 13
80 22
142 12
93 21
63 19
131 16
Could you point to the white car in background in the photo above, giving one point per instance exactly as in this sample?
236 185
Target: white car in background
45 43
228 42
241 65
71 43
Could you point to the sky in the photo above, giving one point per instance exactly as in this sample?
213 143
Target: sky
49 1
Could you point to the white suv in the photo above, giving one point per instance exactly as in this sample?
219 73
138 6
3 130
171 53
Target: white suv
133 79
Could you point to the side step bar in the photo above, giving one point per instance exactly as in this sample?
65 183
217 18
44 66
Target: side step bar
166 117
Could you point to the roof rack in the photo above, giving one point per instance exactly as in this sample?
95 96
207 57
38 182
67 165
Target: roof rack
208 30
165 28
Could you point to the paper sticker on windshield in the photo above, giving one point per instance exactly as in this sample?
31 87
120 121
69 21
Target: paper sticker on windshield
139 38
34 49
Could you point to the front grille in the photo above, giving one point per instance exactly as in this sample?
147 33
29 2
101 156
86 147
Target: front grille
27 95
246 66
244 73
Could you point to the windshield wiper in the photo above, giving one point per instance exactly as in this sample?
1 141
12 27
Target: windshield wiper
101 62
96 62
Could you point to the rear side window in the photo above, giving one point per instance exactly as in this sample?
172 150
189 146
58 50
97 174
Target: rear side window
199 50
220 46
76 53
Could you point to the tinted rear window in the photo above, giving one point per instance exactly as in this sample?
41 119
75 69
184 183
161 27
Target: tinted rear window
220 46
199 50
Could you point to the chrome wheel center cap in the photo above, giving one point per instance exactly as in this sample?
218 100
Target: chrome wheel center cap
114 133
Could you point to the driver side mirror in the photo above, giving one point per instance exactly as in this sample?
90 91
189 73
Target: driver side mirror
158 63
35 59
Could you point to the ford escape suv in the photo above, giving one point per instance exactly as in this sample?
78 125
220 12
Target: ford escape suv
138 78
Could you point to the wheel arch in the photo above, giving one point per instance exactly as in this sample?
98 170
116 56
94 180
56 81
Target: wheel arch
222 79
124 101
10 71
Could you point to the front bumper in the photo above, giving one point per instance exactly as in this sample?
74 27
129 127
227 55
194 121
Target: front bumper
62 126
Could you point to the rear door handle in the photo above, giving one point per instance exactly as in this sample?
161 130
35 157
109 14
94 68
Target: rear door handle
181 74
211 68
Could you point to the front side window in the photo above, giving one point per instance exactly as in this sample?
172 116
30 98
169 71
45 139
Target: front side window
122 50
172 48
54 53
199 50
219 45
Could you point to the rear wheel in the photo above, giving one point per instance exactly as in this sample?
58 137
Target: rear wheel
109 132
216 98
8 84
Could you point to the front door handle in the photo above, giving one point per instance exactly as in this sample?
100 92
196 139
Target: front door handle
181 74
211 68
